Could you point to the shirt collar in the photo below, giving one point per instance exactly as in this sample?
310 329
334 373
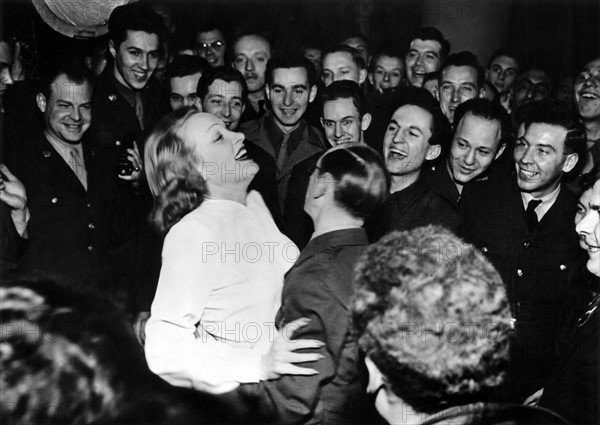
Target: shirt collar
276 134
547 201
63 148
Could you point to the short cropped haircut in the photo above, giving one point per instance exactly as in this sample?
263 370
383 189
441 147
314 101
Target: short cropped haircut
208 26
184 65
290 61
556 113
224 73
431 312
417 96
505 52
171 170
465 58
346 89
357 57
361 180
73 69
389 53
431 33
488 110
134 17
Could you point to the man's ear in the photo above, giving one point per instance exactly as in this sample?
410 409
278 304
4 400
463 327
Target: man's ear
323 184
500 150
482 92
112 49
487 74
570 162
198 105
40 99
362 76
322 121
375 376
312 94
433 152
365 122
268 92
370 77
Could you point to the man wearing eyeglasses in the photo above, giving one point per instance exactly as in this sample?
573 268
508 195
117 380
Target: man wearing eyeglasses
211 44
461 80
586 90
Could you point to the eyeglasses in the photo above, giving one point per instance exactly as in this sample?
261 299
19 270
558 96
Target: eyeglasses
215 46
586 76
537 91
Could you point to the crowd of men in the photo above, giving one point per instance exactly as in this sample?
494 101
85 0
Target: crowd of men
490 153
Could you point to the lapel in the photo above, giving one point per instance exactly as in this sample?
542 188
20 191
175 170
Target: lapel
515 208
559 215
53 167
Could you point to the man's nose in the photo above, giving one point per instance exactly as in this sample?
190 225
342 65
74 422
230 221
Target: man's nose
145 62
288 99
226 111
386 76
5 76
527 157
455 95
250 65
470 157
75 114
338 130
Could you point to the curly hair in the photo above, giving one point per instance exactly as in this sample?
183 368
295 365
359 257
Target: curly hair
171 164
62 355
432 314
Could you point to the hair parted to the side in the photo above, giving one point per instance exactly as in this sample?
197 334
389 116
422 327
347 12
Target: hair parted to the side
431 312
171 165
361 180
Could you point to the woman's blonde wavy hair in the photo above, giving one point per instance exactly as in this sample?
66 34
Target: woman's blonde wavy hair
171 165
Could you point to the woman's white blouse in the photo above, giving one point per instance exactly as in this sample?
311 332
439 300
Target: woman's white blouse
219 289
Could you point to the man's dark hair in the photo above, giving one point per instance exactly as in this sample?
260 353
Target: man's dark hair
505 52
209 25
464 58
556 113
73 69
430 76
220 73
134 17
346 89
488 110
431 33
417 96
290 61
357 57
184 65
392 53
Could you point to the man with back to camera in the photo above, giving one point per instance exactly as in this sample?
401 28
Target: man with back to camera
251 52
285 145
461 79
483 128
345 117
223 93
415 134
502 72
427 51
524 224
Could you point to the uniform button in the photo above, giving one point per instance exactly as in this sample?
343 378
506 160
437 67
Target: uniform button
118 143
54 200
519 272
89 205
91 225
563 267
484 249
90 248
526 245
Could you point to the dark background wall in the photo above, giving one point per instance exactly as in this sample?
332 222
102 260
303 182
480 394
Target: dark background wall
558 34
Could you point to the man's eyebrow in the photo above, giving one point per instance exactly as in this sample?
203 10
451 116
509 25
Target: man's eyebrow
547 146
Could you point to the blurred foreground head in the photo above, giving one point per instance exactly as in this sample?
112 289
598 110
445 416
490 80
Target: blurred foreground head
433 319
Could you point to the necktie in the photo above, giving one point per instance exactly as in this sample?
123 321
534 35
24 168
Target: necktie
139 109
530 215
281 157
77 166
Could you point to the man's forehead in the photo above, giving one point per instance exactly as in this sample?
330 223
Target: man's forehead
542 133
592 66
142 40
340 107
186 80
211 35
290 76
425 45
222 87
459 74
535 76
339 59
252 44
63 88
507 61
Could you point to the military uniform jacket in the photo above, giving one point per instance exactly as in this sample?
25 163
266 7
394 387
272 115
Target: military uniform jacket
536 267
70 229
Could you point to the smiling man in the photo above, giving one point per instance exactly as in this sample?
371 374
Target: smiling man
345 117
343 62
285 146
184 73
586 90
414 135
524 224
223 92
426 53
502 72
